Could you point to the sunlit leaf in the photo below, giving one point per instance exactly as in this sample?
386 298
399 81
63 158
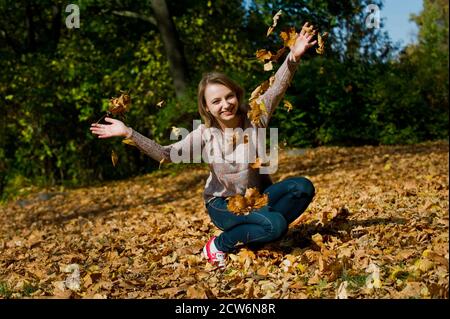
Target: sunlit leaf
114 158
289 37
275 21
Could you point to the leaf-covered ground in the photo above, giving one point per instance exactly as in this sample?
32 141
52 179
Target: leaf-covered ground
377 228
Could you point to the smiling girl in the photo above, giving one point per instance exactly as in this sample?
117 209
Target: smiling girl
220 104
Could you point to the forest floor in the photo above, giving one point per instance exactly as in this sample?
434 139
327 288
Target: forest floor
377 228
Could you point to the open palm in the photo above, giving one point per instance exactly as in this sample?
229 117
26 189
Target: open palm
302 43
116 128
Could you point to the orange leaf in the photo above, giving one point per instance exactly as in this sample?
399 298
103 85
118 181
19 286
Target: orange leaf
263 55
289 37
119 105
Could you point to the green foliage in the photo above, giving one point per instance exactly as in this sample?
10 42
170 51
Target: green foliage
5 291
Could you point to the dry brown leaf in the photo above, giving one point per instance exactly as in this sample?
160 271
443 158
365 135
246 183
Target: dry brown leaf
237 204
242 205
119 105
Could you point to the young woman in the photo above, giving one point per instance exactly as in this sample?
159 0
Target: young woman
220 103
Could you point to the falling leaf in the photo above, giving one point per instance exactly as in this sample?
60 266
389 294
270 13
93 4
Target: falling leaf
289 37
114 158
268 66
119 105
321 42
256 111
129 142
161 162
263 55
160 103
275 21
287 105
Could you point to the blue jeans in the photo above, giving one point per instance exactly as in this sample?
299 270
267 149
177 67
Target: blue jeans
288 199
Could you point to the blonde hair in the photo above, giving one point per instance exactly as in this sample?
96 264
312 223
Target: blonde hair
218 78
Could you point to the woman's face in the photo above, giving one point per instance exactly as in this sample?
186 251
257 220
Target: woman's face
221 102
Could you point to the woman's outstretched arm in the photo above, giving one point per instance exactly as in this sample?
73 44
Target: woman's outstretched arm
145 144
283 77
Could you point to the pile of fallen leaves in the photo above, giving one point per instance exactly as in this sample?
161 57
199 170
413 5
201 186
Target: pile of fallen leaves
377 228
252 200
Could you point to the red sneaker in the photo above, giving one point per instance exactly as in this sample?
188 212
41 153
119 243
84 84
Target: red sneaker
217 258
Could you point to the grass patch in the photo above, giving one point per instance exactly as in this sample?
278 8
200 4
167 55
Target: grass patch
355 281
5 292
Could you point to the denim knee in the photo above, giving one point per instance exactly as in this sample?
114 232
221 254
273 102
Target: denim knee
276 226
301 185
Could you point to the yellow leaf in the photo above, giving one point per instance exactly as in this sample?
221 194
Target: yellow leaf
321 42
129 142
161 162
263 107
160 103
289 37
301 268
287 105
114 158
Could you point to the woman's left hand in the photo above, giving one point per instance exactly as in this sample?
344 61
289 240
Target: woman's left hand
302 43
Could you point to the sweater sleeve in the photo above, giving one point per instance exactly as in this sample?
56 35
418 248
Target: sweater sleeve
272 97
159 152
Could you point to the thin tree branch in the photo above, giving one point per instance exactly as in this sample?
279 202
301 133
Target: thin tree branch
134 15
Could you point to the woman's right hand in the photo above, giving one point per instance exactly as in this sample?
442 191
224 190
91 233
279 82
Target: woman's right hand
116 128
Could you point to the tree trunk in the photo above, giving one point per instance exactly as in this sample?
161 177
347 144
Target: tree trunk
56 25
172 45
29 24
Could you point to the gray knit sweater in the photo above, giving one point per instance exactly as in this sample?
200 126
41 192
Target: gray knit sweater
227 177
